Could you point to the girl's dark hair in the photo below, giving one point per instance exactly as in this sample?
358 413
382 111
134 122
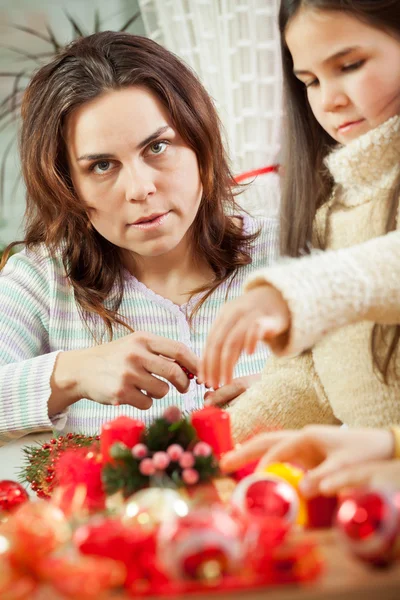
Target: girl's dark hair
57 218
307 183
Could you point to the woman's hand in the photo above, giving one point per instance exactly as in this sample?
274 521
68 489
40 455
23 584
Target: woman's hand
329 453
260 314
124 371
229 392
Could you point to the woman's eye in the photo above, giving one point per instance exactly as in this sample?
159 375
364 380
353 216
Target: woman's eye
353 66
158 147
101 167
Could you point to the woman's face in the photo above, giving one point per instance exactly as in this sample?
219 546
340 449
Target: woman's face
138 178
351 71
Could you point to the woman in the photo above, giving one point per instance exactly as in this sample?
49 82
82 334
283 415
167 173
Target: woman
133 241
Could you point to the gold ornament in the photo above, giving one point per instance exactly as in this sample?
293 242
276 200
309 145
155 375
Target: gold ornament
152 506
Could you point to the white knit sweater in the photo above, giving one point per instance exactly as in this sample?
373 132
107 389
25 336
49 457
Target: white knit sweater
352 285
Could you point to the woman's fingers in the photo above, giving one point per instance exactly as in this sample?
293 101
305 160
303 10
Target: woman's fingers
169 370
134 397
176 351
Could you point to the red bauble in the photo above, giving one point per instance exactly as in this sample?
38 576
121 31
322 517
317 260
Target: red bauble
262 495
321 511
368 522
36 529
206 543
12 495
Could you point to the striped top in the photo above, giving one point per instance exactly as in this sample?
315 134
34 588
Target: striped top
39 318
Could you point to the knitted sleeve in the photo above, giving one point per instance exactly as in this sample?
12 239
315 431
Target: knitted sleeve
288 396
26 364
327 290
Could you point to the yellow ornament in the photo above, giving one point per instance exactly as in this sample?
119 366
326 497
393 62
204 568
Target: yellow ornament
293 475
152 506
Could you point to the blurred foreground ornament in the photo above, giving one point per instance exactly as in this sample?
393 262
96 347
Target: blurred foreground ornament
316 512
153 506
368 522
83 577
264 495
293 475
36 529
206 544
12 495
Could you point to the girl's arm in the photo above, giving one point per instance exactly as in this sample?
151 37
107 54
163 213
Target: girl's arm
328 290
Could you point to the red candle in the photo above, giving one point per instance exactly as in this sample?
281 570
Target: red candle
214 427
123 429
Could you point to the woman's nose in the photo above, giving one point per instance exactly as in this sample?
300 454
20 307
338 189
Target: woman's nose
139 184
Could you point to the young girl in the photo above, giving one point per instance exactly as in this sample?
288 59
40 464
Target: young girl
132 243
341 191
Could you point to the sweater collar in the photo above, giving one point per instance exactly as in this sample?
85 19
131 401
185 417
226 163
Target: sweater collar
367 163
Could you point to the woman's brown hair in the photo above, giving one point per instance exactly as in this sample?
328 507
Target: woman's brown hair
307 184
57 218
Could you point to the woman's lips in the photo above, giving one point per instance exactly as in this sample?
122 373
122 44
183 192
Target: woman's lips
153 224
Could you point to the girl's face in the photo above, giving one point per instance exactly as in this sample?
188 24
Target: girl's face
351 71
137 177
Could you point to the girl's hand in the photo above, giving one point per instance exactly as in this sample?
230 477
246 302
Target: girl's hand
326 451
125 371
379 474
260 314
229 392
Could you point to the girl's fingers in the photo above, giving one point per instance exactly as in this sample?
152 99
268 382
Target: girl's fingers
226 393
251 339
210 366
251 450
231 352
356 475
227 318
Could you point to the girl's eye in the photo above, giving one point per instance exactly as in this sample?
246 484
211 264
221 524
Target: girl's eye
312 83
101 167
158 147
353 66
